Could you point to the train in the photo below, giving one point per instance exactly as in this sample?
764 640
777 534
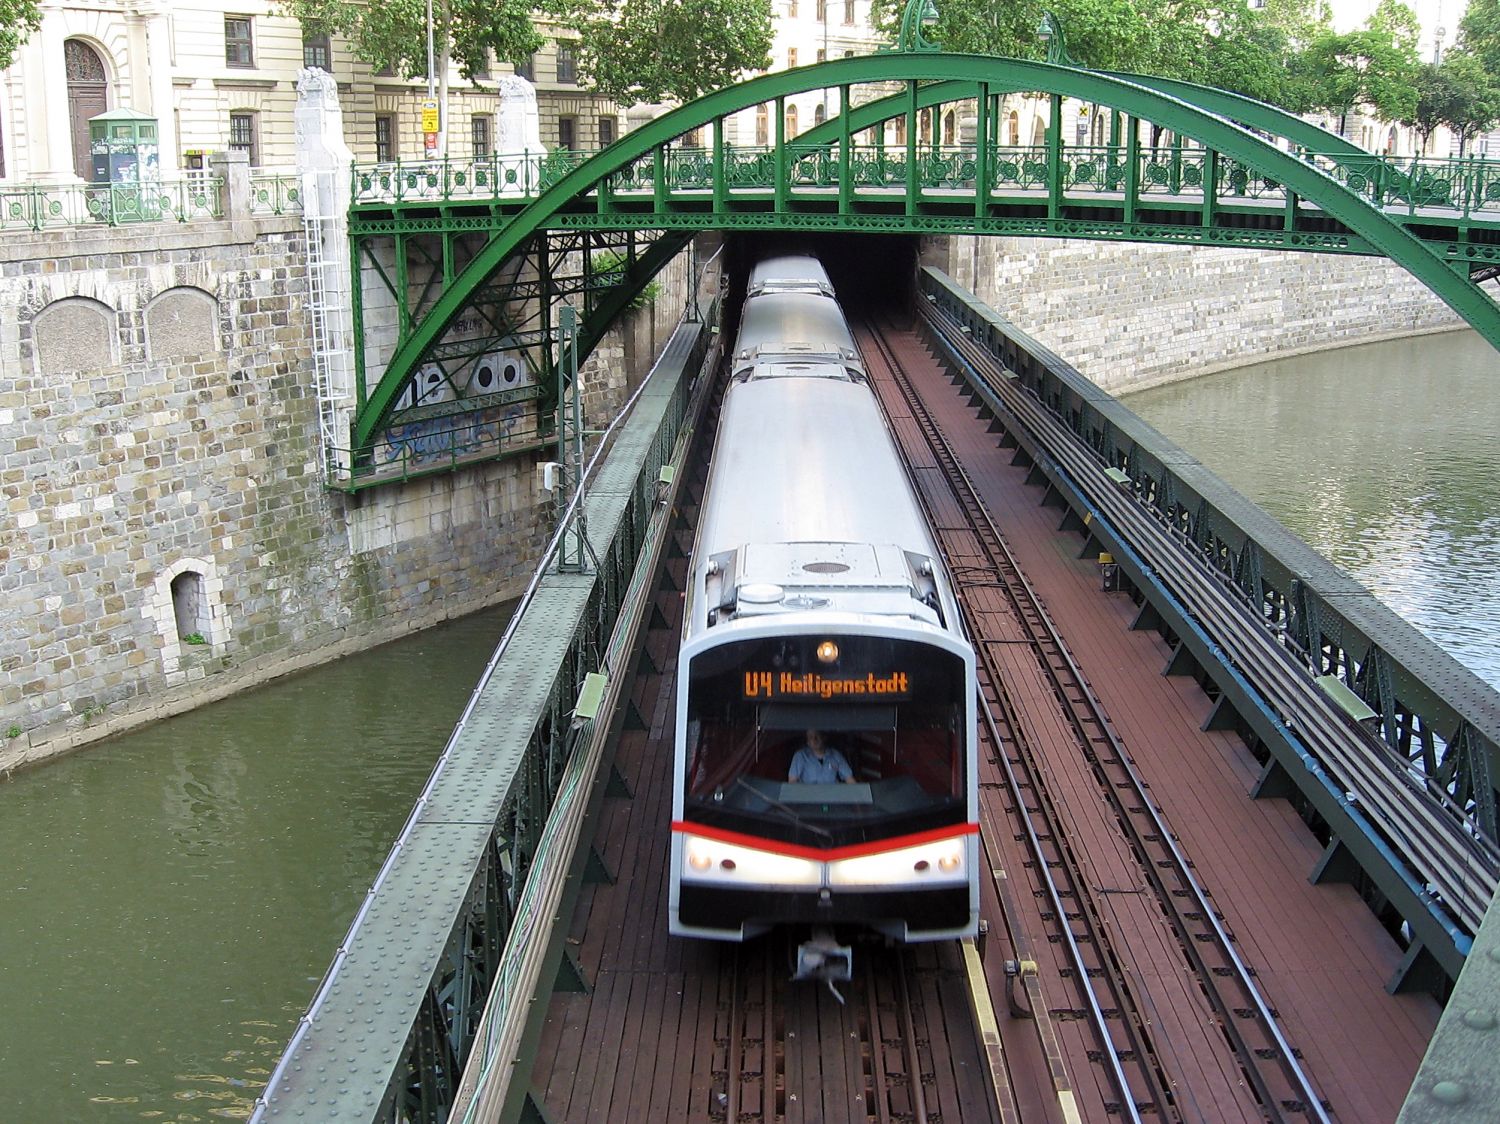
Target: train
819 623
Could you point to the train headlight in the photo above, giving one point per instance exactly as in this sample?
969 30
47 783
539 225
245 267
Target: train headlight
939 863
713 860
828 652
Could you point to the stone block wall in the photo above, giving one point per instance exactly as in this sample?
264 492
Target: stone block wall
167 539
1131 316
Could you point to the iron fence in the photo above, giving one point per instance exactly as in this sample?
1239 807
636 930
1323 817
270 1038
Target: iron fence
41 207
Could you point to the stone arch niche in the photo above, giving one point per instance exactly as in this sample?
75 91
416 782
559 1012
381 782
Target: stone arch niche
74 334
187 605
182 321
88 96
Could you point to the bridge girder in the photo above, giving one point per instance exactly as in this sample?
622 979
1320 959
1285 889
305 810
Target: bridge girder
1162 103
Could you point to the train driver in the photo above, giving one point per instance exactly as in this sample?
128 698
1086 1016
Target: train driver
819 763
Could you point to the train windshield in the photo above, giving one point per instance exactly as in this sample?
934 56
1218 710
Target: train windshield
826 740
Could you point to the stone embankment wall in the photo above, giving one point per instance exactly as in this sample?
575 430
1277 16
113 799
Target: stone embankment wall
1131 316
167 539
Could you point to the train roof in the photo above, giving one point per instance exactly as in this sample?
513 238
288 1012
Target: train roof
793 273
800 327
809 507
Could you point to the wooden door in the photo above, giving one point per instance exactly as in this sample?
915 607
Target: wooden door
87 98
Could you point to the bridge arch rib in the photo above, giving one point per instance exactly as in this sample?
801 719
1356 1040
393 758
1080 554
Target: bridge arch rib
962 76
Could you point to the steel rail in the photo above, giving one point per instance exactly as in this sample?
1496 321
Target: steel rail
1434 839
1043 871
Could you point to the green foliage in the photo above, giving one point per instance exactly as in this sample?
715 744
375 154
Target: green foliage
1459 93
1376 65
629 50
1479 33
18 19
1219 42
13 732
194 638
607 262
654 50
394 33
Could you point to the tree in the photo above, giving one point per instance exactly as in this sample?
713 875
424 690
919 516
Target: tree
658 50
1375 66
18 19
629 50
1470 98
393 33
1479 33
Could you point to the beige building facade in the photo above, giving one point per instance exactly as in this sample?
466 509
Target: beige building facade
216 76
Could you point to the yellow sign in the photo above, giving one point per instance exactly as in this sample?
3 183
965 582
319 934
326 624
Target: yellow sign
811 685
429 116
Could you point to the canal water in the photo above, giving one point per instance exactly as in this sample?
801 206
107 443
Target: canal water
171 898
1383 457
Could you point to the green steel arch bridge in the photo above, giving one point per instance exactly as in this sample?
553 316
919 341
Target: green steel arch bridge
455 259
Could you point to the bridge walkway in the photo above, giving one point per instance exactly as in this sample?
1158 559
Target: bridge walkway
653 1032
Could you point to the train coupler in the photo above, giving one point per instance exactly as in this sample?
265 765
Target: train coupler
823 958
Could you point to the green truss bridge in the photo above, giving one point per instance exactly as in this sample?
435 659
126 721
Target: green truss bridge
459 259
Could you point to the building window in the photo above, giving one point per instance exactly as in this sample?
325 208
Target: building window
848 54
316 52
238 48
567 65
387 71
819 115
526 68
762 125
791 58
482 71
567 132
822 10
2 155
791 8
791 121
607 132
848 11
822 55
242 136
479 133
385 137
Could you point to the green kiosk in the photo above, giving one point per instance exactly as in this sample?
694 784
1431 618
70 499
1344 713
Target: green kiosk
123 144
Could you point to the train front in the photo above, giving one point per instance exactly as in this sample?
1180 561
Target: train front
825 764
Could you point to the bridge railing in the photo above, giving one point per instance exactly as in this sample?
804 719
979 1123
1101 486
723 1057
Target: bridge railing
1466 186
42 207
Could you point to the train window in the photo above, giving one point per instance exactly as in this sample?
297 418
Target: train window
893 708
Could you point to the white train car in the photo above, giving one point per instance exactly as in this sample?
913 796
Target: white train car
817 601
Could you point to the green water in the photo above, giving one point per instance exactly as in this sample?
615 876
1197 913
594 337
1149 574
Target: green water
173 897
1385 458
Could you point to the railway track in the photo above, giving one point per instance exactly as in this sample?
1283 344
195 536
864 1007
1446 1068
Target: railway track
787 1051
1066 773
